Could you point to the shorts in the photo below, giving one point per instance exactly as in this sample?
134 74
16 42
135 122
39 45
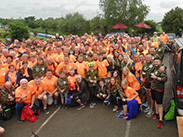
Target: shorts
157 96
141 92
50 100
62 95
147 84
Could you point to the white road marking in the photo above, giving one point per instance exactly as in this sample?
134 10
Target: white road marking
49 118
127 133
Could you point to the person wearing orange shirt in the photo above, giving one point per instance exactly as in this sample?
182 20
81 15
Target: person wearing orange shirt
81 66
40 92
32 61
72 79
164 37
130 94
131 79
59 56
12 76
24 95
51 64
102 66
22 49
9 62
1 44
3 72
65 63
51 82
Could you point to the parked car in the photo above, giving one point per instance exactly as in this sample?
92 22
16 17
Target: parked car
8 41
176 66
42 35
171 37
121 34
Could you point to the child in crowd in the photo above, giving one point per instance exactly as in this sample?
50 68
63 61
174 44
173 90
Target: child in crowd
62 86
102 90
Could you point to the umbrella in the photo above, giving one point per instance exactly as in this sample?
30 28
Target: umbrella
142 25
119 26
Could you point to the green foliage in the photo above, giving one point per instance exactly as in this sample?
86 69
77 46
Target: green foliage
73 24
173 21
124 11
18 30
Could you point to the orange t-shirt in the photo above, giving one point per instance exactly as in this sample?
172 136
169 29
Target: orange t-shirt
29 91
3 72
31 64
68 66
102 68
164 38
72 80
5 65
138 65
52 67
81 68
129 92
51 83
38 89
12 77
58 58
135 83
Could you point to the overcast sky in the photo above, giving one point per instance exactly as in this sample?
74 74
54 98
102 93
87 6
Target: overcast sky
89 8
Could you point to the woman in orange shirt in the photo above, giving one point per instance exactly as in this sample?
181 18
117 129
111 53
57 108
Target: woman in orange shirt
11 75
130 94
3 72
131 79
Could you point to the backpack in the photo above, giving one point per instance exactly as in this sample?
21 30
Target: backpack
7 113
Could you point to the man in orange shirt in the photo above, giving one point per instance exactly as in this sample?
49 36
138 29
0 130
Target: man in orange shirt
24 95
81 66
51 64
1 44
40 89
164 37
66 64
102 66
51 83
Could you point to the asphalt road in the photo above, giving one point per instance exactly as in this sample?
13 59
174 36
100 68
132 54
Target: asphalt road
97 122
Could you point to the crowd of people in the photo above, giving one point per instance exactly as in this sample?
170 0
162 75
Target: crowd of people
120 71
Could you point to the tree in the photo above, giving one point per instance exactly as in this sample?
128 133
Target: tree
18 30
73 24
124 11
173 21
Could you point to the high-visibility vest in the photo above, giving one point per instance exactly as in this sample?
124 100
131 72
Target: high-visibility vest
155 39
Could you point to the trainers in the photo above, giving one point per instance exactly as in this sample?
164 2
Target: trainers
61 106
147 109
91 105
65 107
80 107
94 103
149 114
124 117
115 109
155 116
160 124
106 103
145 104
20 121
46 111
55 104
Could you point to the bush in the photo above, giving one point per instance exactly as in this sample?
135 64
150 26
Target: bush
18 30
